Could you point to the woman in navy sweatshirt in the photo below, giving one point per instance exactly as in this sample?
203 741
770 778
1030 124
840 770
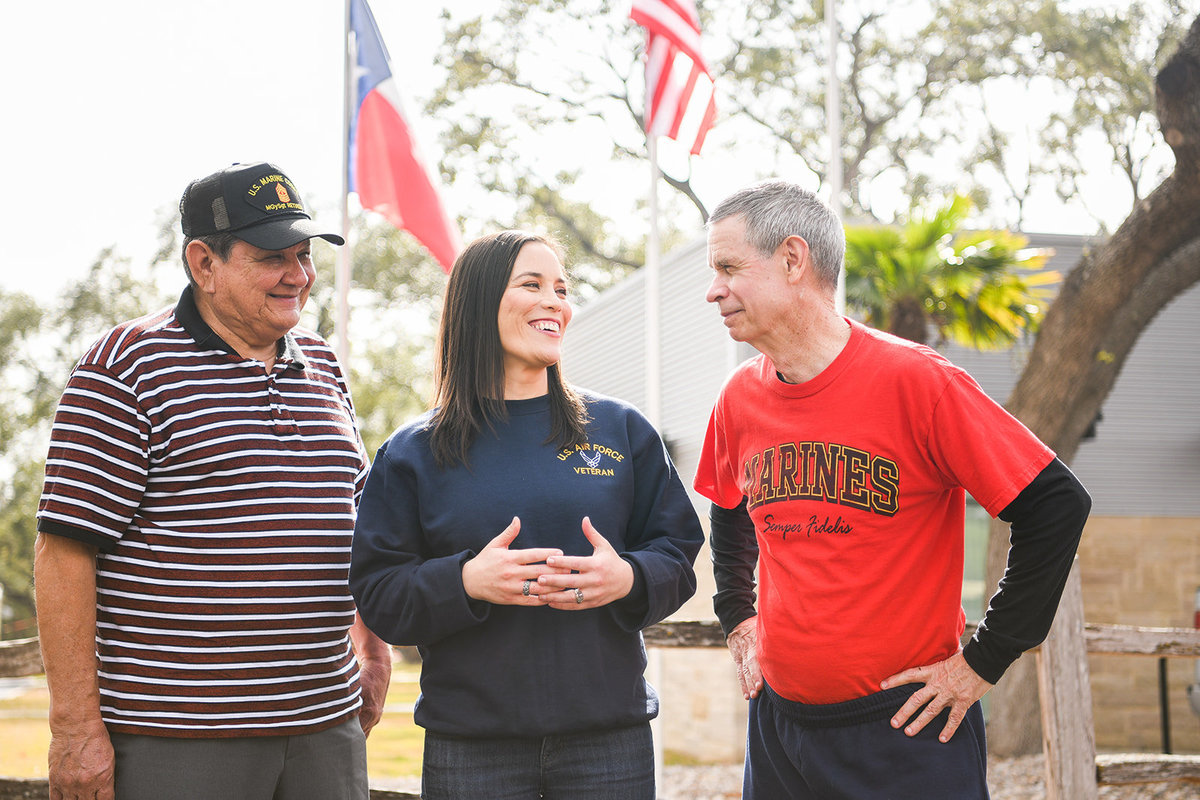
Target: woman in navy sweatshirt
521 535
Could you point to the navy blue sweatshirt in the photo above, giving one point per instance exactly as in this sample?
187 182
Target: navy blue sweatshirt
498 670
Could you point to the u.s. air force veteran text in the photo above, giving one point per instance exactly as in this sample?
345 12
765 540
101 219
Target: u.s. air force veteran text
595 458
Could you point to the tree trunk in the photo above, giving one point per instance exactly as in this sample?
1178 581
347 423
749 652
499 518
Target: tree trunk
909 321
1105 303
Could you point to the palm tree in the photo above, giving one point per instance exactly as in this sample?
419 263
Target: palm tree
982 289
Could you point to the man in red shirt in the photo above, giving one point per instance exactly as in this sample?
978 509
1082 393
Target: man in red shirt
837 462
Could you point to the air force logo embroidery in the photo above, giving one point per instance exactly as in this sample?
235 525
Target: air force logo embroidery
593 456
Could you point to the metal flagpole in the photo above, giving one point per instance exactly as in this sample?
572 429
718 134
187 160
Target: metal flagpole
342 273
833 121
653 408
653 351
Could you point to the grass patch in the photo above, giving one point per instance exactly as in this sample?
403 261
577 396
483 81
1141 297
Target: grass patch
24 733
677 758
395 745
23 744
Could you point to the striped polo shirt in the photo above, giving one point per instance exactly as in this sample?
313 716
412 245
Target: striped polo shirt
222 500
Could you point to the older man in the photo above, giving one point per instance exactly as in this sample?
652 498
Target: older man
197 630
837 462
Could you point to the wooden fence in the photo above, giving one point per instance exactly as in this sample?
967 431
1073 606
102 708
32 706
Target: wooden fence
1073 770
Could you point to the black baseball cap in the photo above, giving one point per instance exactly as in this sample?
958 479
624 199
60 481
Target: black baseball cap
257 203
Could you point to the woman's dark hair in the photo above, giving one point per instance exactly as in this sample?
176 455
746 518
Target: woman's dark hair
470 362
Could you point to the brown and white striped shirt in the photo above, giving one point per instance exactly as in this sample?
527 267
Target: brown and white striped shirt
222 499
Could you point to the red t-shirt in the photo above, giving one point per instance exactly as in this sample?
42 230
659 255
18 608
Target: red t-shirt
855 483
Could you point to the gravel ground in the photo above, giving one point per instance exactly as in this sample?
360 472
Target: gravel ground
1008 779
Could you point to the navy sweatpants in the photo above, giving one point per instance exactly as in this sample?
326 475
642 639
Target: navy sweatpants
850 751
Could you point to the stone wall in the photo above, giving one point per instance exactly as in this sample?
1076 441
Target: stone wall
703 717
703 713
1141 572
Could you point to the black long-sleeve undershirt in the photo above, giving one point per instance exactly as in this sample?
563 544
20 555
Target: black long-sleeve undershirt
734 549
1046 521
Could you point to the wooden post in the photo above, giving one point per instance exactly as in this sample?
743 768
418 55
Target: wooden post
1068 738
20 658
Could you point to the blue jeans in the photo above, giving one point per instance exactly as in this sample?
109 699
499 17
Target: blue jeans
604 765
850 751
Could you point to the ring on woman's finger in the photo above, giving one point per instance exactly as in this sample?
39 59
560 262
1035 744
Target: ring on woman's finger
578 596
525 589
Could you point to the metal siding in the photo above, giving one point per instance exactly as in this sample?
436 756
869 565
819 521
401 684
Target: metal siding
694 363
604 348
1145 459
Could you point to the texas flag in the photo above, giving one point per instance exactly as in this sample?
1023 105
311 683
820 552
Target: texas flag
386 167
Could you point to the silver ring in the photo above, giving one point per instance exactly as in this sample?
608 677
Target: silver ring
525 589
578 596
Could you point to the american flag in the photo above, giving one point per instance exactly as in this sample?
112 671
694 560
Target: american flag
679 88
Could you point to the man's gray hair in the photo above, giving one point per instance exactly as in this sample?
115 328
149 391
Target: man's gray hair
776 209
220 243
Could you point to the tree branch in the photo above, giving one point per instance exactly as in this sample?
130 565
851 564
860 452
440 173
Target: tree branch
548 201
1109 297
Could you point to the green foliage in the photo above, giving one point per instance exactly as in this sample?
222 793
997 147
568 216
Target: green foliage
111 292
19 494
20 317
548 143
391 384
1092 65
395 297
20 482
38 346
981 289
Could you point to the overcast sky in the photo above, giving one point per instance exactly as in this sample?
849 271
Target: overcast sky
110 108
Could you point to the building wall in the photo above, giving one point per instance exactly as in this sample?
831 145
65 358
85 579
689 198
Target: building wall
703 716
1142 572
